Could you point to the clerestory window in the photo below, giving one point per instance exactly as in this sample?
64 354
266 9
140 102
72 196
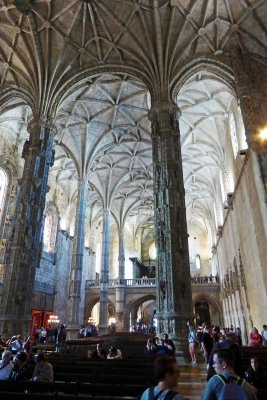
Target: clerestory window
50 230
3 190
233 134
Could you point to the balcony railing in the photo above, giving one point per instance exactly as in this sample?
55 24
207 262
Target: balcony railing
126 282
149 281
204 279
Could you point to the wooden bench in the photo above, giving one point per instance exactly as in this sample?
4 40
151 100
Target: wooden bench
58 389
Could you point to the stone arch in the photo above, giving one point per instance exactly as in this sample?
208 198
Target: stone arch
220 70
136 302
92 302
79 76
207 298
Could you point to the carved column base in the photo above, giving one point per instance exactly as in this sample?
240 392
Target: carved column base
119 322
120 294
72 332
11 325
102 330
182 351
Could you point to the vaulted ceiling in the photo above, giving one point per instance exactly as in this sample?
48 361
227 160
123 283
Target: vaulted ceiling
91 63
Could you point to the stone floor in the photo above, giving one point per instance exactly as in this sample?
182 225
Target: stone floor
192 381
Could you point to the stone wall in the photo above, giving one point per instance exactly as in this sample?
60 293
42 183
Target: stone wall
241 252
53 276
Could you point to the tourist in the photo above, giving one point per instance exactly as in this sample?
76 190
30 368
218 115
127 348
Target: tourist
255 338
166 375
163 348
114 353
21 370
151 346
15 344
98 354
223 361
2 344
61 334
6 366
169 343
43 371
217 335
27 345
43 335
230 342
239 336
206 342
192 341
255 374
264 336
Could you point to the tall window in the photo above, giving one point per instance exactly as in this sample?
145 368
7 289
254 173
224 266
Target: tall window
3 188
50 230
198 262
233 134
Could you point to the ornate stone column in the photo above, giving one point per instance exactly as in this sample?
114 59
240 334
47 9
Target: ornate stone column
174 296
74 318
104 278
120 287
251 87
121 255
25 247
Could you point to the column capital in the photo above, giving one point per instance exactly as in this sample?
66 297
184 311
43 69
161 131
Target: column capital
162 106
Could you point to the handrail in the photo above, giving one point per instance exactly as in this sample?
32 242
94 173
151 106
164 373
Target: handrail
205 279
210 280
126 282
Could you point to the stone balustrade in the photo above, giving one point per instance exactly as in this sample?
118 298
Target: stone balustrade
204 279
125 282
149 281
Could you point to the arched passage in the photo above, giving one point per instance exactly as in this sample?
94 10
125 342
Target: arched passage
133 306
95 301
214 307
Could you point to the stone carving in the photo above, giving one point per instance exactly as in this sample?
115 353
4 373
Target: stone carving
174 294
77 256
23 255
103 322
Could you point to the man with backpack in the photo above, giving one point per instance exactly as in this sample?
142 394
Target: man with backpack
226 385
166 374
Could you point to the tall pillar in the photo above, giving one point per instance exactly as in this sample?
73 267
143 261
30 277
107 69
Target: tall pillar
24 252
104 278
174 295
121 255
120 287
251 87
74 317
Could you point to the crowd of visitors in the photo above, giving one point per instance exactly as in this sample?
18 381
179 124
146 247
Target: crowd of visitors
158 346
21 361
52 335
220 348
101 354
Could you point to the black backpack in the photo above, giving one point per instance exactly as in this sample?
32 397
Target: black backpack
169 395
